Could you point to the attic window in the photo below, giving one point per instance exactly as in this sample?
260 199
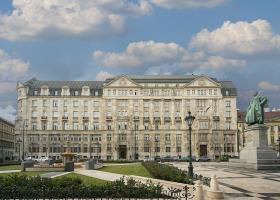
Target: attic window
35 92
55 93
96 93
76 93
227 93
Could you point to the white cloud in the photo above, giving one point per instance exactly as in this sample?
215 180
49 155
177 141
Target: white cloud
102 75
6 87
269 86
180 4
51 18
8 113
11 68
159 55
143 53
241 37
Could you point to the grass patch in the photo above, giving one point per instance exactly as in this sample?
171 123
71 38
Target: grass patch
86 180
10 167
135 169
23 173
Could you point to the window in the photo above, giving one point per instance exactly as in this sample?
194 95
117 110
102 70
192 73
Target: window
216 125
55 126
76 93
75 103
35 93
34 103
109 147
34 114
146 137
75 125
95 114
228 103
146 126
109 126
203 125
34 126
96 93
45 104
109 137
96 103
167 137
44 125
178 149
86 114
146 147
85 126
64 125
55 93
75 114
95 126
167 149
228 125
55 103
178 137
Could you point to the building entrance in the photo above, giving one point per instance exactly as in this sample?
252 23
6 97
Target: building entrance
203 150
122 151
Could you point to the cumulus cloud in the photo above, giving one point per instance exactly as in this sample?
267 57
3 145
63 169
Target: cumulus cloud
51 18
102 75
11 68
8 113
241 37
180 4
269 86
154 54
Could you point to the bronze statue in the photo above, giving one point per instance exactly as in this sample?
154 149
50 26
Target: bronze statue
255 110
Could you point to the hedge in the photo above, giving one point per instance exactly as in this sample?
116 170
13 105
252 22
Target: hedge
23 187
166 172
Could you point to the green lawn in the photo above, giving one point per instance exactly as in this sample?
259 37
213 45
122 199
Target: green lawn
134 169
9 167
86 179
23 173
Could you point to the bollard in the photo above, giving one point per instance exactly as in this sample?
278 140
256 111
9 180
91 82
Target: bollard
199 194
214 192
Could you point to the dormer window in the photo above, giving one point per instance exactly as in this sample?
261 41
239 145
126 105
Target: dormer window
65 91
76 93
85 91
55 93
35 92
96 93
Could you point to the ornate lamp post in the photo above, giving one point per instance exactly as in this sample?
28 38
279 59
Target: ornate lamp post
189 120
278 154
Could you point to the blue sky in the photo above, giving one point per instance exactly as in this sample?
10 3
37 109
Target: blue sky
236 40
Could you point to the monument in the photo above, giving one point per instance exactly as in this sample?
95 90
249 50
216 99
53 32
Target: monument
256 153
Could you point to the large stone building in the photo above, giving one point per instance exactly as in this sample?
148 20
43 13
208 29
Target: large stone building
7 140
127 117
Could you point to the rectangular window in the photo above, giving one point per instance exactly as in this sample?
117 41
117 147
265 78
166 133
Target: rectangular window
75 103
228 125
167 137
55 103
75 114
55 114
55 126
146 137
96 103
75 125
146 147
178 149
203 125
34 103
109 137
167 149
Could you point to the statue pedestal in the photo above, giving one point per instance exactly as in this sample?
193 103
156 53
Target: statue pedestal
256 154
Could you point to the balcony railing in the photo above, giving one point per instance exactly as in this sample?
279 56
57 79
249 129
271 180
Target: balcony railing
178 119
85 118
228 118
216 118
96 119
44 118
109 118
136 118
146 119
64 118
156 119
167 119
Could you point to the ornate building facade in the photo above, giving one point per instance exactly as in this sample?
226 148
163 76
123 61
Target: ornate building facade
127 117
7 140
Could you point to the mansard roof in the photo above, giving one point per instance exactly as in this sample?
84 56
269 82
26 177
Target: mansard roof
34 83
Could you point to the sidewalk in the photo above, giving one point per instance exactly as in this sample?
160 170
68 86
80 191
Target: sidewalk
9 171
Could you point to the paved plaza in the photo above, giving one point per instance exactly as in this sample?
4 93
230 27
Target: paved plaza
240 183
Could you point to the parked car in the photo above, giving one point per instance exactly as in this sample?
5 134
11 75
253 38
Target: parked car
203 159
187 158
166 159
157 158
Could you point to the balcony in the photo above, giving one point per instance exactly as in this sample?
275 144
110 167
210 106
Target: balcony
85 118
136 118
178 119
43 118
64 118
228 118
96 119
156 119
109 118
167 119
75 118
146 119
216 118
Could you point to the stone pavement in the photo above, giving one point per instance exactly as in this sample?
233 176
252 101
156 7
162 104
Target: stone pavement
53 174
240 183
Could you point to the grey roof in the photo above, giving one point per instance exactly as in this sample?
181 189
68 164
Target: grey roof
228 88
34 83
159 78
7 122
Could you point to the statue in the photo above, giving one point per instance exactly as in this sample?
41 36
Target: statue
255 110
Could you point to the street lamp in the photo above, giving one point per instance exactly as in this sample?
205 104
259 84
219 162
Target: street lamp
189 120
18 142
278 154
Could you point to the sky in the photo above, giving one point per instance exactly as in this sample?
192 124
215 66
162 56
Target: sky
237 40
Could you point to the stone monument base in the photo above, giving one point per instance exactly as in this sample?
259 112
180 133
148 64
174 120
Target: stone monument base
256 154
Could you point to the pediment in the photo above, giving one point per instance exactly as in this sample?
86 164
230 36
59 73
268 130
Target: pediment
203 81
122 81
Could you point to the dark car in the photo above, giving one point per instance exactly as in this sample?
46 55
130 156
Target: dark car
203 159
166 159
157 158
187 158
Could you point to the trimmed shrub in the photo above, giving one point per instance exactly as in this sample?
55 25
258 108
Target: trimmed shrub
166 172
23 187
120 161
